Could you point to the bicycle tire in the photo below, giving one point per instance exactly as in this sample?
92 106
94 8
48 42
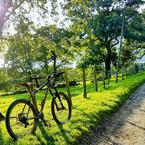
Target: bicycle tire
8 113
60 94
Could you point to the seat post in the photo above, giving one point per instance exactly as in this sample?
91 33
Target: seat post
30 88
33 97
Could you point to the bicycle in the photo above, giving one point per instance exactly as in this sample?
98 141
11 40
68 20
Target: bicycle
23 115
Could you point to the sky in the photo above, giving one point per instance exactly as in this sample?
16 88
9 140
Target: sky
1 60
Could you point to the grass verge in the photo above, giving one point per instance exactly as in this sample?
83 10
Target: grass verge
87 113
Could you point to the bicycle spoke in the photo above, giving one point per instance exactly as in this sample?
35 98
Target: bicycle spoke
21 119
61 110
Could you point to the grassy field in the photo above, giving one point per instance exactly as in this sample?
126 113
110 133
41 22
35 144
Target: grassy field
87 113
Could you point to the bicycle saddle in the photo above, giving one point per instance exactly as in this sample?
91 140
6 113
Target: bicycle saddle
27 84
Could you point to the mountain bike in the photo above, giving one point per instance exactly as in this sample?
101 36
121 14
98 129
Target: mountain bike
23 115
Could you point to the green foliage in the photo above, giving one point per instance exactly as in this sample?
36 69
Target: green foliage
56 45
47 50
103 21
4 80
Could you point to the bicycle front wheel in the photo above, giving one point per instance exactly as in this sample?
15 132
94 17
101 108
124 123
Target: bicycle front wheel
61 108
21 119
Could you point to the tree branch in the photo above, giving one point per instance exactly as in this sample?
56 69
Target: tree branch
133 59
14 8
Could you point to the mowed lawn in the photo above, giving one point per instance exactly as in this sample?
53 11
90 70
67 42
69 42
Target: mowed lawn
86 113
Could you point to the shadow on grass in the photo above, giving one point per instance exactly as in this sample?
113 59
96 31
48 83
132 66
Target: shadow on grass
64 134
1 138
49 140
6 142
2 117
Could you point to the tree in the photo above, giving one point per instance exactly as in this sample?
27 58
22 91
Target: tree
131 51
8 9
103 20
57 49
134 35
20 55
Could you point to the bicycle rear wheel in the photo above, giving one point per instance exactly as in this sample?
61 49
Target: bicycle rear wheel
21 119
61 108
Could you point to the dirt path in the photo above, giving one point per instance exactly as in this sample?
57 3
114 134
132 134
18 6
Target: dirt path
126 126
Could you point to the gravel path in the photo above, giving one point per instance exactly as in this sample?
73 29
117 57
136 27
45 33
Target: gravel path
126 126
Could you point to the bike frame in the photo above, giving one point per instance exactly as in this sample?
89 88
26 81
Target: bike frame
33 93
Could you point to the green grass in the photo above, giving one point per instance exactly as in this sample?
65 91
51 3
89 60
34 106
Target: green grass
87 113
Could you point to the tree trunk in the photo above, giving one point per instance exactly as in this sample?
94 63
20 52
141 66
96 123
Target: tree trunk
54 57
84 83
108 63
122 71
46 65
125 70
54 67
68 87
29 58
109 76
30 76
95 79
104 83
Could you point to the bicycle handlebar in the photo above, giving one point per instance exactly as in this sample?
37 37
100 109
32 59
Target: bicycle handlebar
56 75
